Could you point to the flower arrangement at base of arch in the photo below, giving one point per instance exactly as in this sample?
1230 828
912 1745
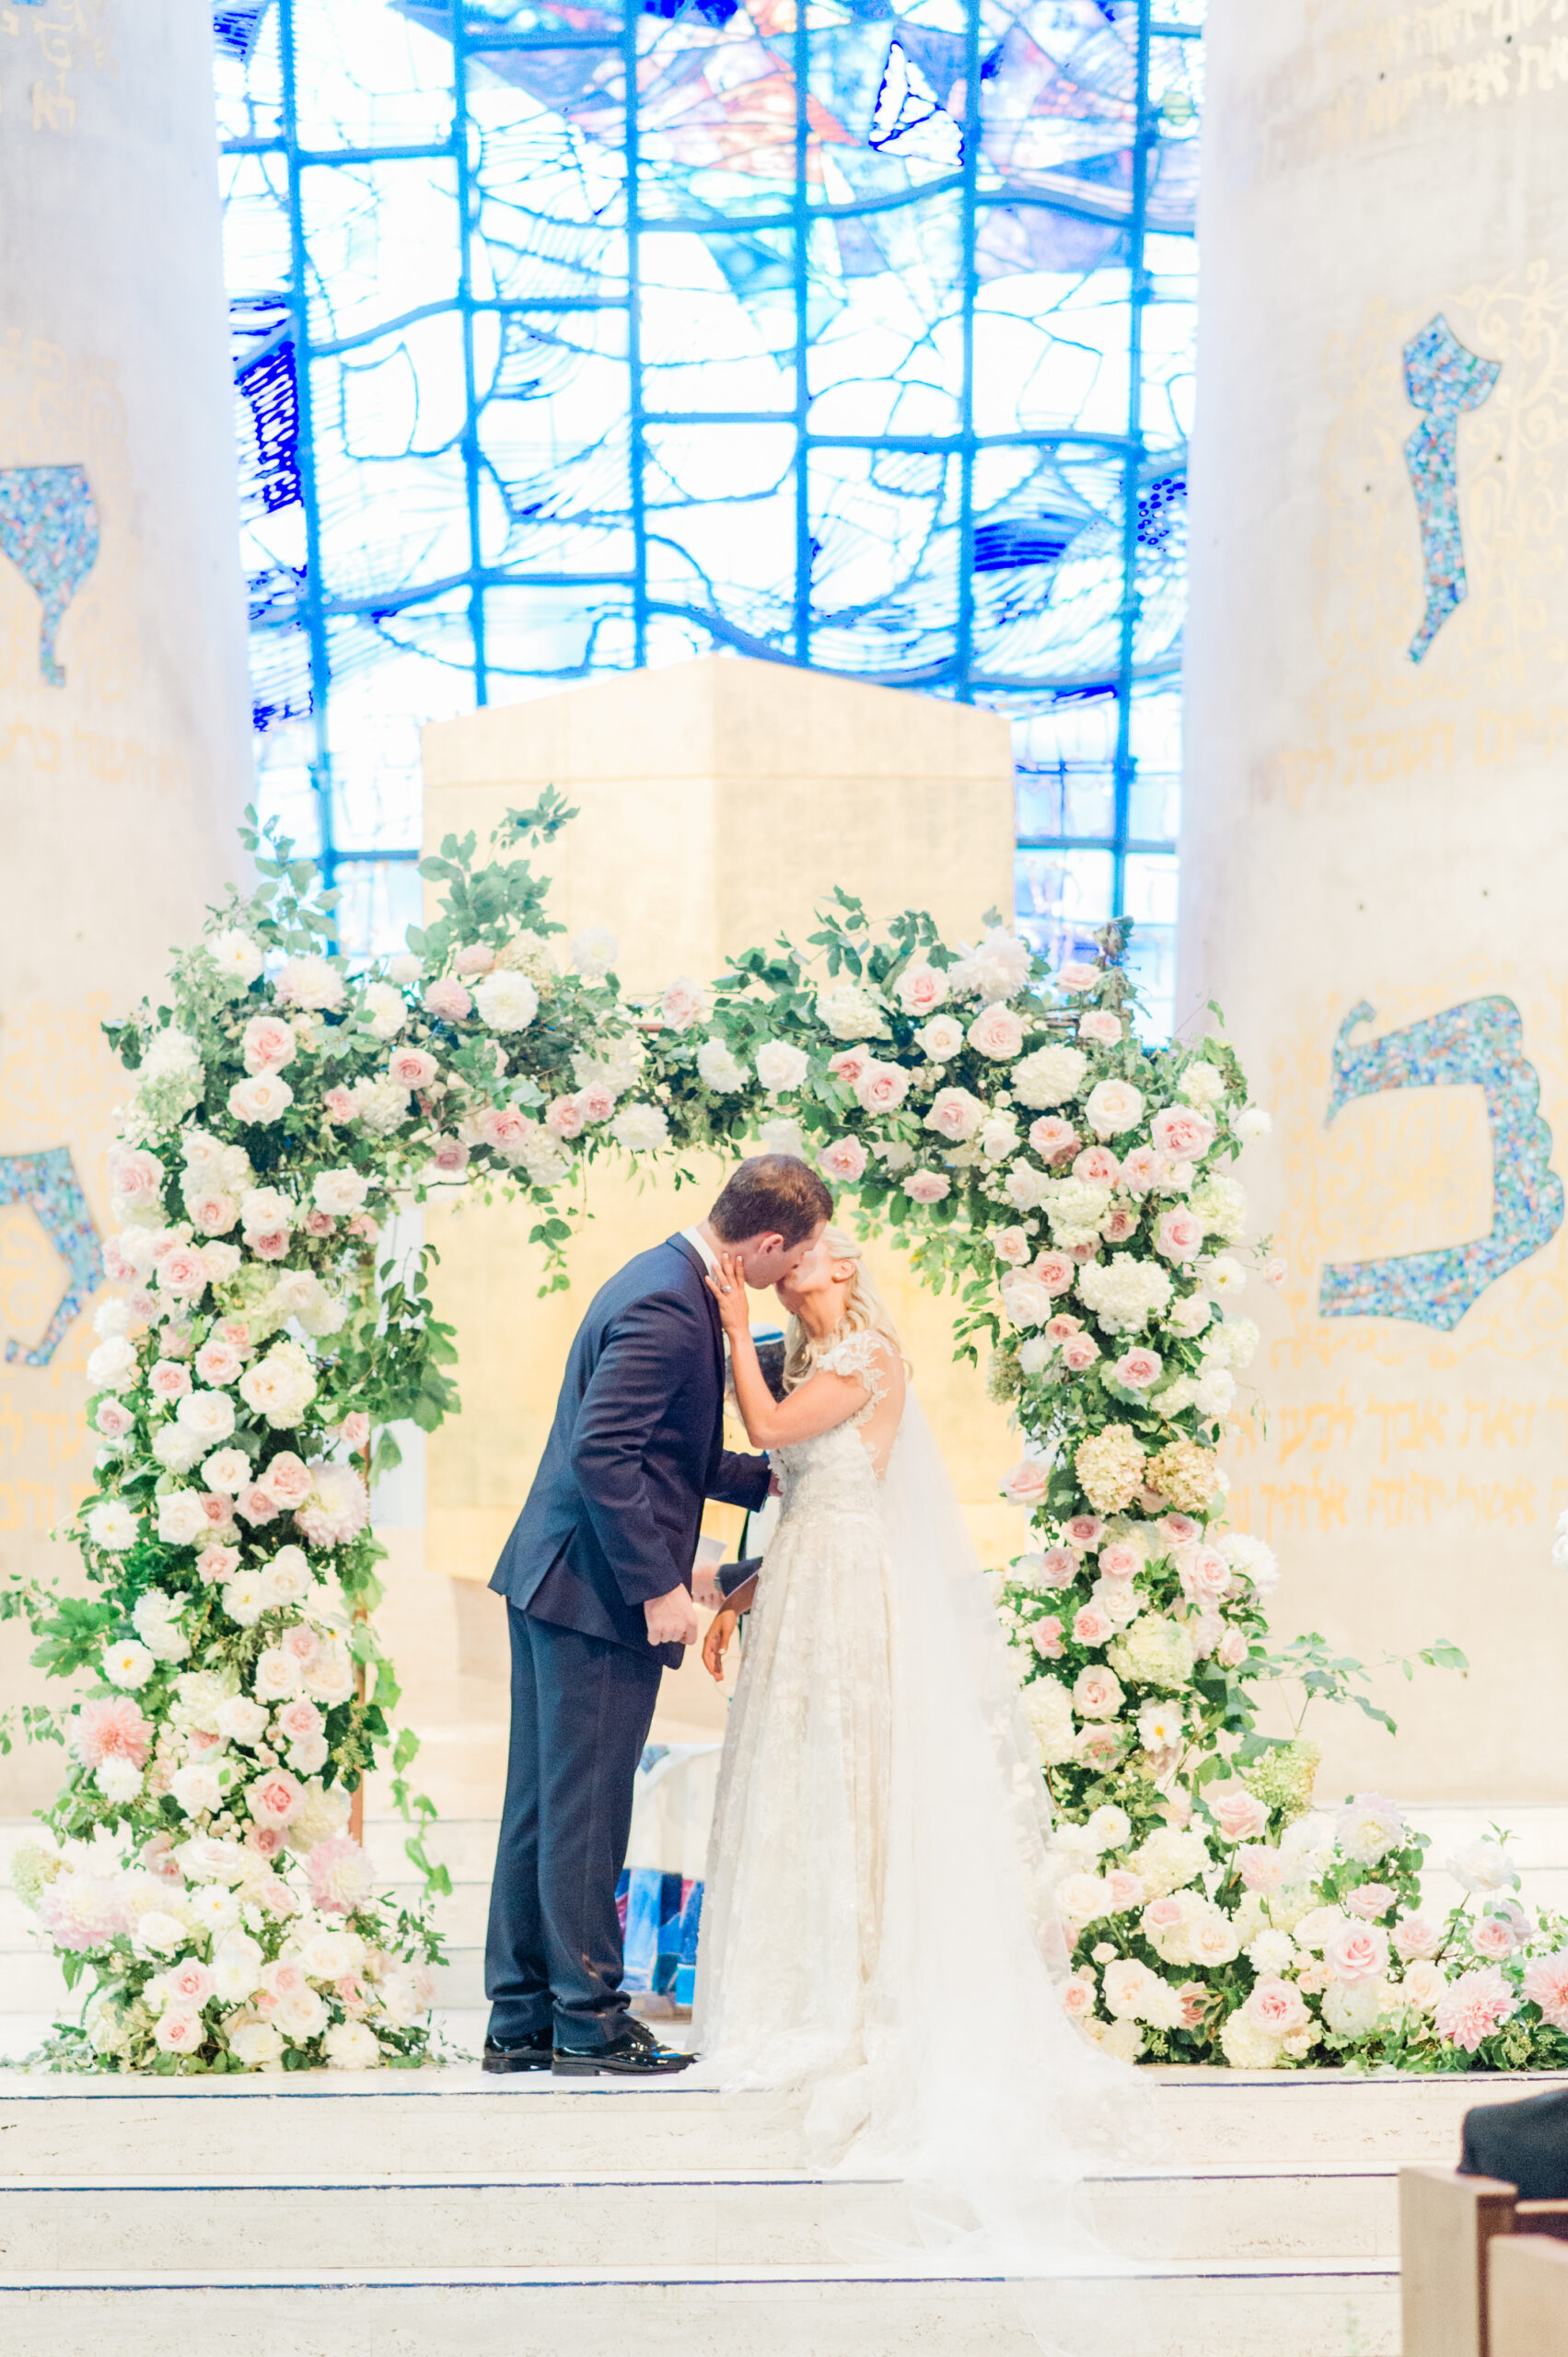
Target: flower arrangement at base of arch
1073 1183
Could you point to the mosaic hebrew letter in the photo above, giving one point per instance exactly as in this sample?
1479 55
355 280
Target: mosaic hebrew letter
1444 380
48 529
47 1183
1479 1042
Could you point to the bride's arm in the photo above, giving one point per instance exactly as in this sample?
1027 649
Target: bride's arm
819 1404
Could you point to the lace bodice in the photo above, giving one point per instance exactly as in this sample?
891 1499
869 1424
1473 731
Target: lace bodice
836 1472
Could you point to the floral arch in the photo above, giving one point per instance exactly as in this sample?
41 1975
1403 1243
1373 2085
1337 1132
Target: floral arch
198 1874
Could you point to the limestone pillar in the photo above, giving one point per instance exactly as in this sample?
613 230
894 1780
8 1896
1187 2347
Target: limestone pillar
719 801
123 753
1373 860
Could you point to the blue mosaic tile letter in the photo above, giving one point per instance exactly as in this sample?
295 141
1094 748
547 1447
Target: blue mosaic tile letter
1443 378
48 529
1479 1041
47 1183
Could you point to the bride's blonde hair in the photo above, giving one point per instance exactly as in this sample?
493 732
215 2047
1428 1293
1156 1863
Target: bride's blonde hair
863 1312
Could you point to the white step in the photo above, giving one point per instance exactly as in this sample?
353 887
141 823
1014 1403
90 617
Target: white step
743 2313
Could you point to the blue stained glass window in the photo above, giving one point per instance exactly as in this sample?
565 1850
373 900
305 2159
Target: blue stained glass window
835 332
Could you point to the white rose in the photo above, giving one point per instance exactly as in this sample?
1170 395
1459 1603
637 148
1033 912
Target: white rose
181 1519
111 1319
1049 1076
263 1210
941 1037
208 1415
263 1099
156 1621
198 1788
256 2044
719 1069
782 1135
780 1067
507 1001
351 2047
279 1387
641 1129
1253 1124
112 1366
1025 1300
238 1720
1113 1107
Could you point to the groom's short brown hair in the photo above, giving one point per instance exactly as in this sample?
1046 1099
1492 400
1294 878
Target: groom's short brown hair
773 1194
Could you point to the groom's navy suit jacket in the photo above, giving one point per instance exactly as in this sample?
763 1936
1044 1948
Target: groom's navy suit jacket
616 1506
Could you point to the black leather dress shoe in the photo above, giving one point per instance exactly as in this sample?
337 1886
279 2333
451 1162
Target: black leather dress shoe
515 2058
637 2054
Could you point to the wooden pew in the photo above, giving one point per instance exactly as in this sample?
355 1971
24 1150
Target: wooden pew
1449 2227
1527 2296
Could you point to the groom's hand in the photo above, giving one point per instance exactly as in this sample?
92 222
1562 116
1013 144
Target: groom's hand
672 1618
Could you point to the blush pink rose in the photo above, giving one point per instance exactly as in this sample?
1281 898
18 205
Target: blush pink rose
450 1156
1273 1271
1117 1224
1262 1868
1164 1914
475 957
1119 1560
997 1033
190 1982
1232 1650
1123 1889
266 1840
1368 1901
1078 1998
1355 1952
354 1430
412 1068
318 1222
596 1100
339 1105
1084 1532
1276 2006
214 1213
1027 1484
183 1272
1079 1351
955 1114
1240 1815
1053 1139
1010 1243
1140 1170
268 1044
505 1129
257 1505
448 1000
275 1798
1493 1935
882 1088
299 1720
1045 1635
1097 1166
1204 1573
1100 1025
564 1117
849 1064
1093 1626
1177 1529
271 1245
287 1479
216 1564
1138 1367
1416 1935
921 989
1058 1329
300 1644
927 1186
218 1361
1180 1236
169 1379
112 1420
844 1161
1181 1133
1056 1270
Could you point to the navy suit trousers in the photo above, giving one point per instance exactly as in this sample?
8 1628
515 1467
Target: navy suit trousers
581 1710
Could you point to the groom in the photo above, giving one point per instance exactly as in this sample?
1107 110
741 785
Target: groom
597 1575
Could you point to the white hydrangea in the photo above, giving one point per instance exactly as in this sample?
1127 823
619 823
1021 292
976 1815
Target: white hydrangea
593 952
616 1066
1231 1342
1049 1076
994 969
1253 1559
780 1067
380 1105
1153 1651
383 1010
850 1013
1075 1208
1351 2008
1050 1708
1202 1084
1124 1292
1171 1857
1221 1203
1215 1392
1246 2046
156 1618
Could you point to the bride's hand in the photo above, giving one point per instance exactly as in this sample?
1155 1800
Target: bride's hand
716 1644
728 1289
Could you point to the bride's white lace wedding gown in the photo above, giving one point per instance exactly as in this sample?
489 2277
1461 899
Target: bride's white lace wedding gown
878 1930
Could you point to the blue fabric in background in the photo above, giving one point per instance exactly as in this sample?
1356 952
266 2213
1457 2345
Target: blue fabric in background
660 1919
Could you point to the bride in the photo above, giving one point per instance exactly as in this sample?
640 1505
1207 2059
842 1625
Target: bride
877 1928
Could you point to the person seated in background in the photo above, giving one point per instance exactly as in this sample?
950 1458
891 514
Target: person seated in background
1524 2144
